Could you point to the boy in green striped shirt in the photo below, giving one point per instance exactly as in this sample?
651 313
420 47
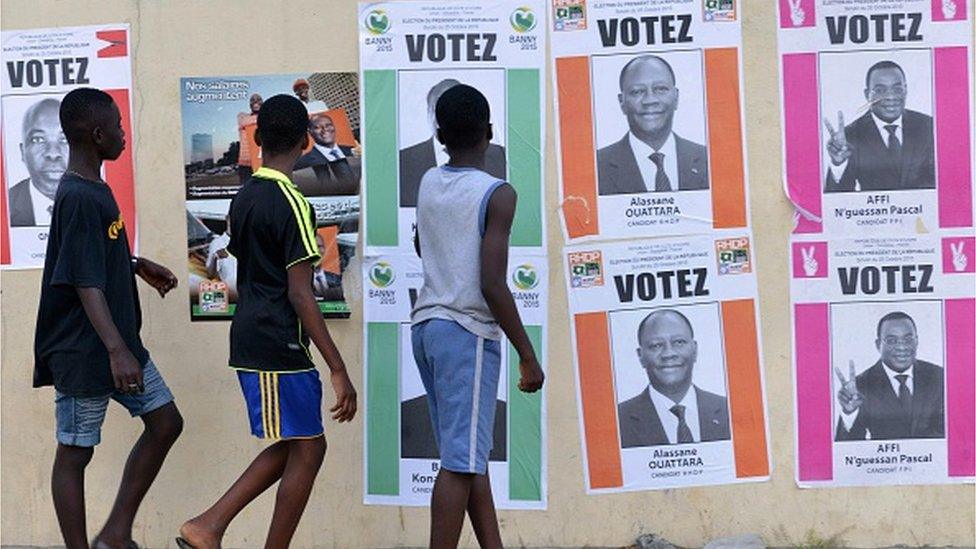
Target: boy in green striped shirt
272 235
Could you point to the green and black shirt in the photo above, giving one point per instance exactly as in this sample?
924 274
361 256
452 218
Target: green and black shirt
271 229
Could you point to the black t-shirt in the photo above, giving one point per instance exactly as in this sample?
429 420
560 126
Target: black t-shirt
271 229
87 247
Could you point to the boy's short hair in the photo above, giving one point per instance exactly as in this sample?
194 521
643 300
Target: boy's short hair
463 117
82 110
282 123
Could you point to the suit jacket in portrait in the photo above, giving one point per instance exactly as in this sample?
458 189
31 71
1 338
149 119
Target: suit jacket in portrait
339 177
641 426
882 415
618 173
876 168
417 432
415 160
21 206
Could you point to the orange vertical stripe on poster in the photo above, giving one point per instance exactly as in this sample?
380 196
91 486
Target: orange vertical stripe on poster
119 174
577 148
4 226
745 388
599 404
725 145
330 257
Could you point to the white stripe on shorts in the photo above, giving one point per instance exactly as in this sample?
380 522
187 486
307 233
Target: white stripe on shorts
473 437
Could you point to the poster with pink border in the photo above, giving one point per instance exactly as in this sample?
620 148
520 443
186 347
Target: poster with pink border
884 357
877 115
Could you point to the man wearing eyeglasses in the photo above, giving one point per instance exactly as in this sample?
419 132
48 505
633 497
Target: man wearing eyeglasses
671 410
889 148
899 397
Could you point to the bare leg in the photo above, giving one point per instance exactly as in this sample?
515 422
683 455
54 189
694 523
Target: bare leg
68 490
206 530
162 427
447 505
481 511
304 461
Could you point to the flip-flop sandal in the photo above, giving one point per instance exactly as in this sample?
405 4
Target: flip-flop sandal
183 544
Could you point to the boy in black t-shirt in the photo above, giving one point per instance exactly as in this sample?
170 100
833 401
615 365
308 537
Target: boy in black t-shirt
87 341
272 236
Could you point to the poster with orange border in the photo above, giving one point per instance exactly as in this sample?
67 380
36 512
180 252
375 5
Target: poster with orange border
650 117
668 366
41 67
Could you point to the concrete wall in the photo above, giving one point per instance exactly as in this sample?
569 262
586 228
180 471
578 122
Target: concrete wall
174 38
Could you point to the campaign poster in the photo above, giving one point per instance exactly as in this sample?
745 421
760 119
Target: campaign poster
400 451
650 117
877 115
40 67
220 154
884 355
410 54
668 365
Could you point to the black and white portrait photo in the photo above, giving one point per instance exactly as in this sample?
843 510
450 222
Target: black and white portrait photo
877 121
887 376
418 145
670 376
650 123
36 157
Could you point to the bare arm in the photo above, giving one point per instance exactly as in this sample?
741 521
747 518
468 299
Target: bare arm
494 264
126 372
303 301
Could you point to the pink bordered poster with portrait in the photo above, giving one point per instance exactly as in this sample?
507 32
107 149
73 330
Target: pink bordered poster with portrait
877 115
884 355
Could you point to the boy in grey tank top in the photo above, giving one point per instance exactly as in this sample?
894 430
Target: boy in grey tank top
464 217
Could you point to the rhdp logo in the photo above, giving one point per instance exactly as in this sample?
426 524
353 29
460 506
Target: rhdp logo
585 269
381 274
377 22
734 256
522 19
525 277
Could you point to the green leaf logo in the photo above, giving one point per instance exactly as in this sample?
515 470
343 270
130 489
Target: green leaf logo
522 19
377 22
381 274
525 277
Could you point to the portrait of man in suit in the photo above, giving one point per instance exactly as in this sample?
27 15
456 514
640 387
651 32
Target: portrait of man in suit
416 159
417 433
899 396
44 151
672 409
651 157
336 166
888 148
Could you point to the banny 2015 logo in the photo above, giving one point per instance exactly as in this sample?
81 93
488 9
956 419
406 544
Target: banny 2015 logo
377 22
381 274
522 19
525 277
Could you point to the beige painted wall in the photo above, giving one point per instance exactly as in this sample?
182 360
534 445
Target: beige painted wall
174 38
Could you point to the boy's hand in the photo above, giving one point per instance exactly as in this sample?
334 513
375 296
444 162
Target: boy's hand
157 276
125 371
345 406
532 377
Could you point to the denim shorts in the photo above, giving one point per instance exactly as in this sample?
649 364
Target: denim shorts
79 419
460 372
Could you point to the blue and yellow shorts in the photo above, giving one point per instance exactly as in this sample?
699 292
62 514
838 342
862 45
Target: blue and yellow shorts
282 405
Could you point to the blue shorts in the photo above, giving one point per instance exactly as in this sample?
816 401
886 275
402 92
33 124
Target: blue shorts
282 405
79 419
460 372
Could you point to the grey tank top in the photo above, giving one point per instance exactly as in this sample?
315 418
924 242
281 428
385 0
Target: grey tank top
451 207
